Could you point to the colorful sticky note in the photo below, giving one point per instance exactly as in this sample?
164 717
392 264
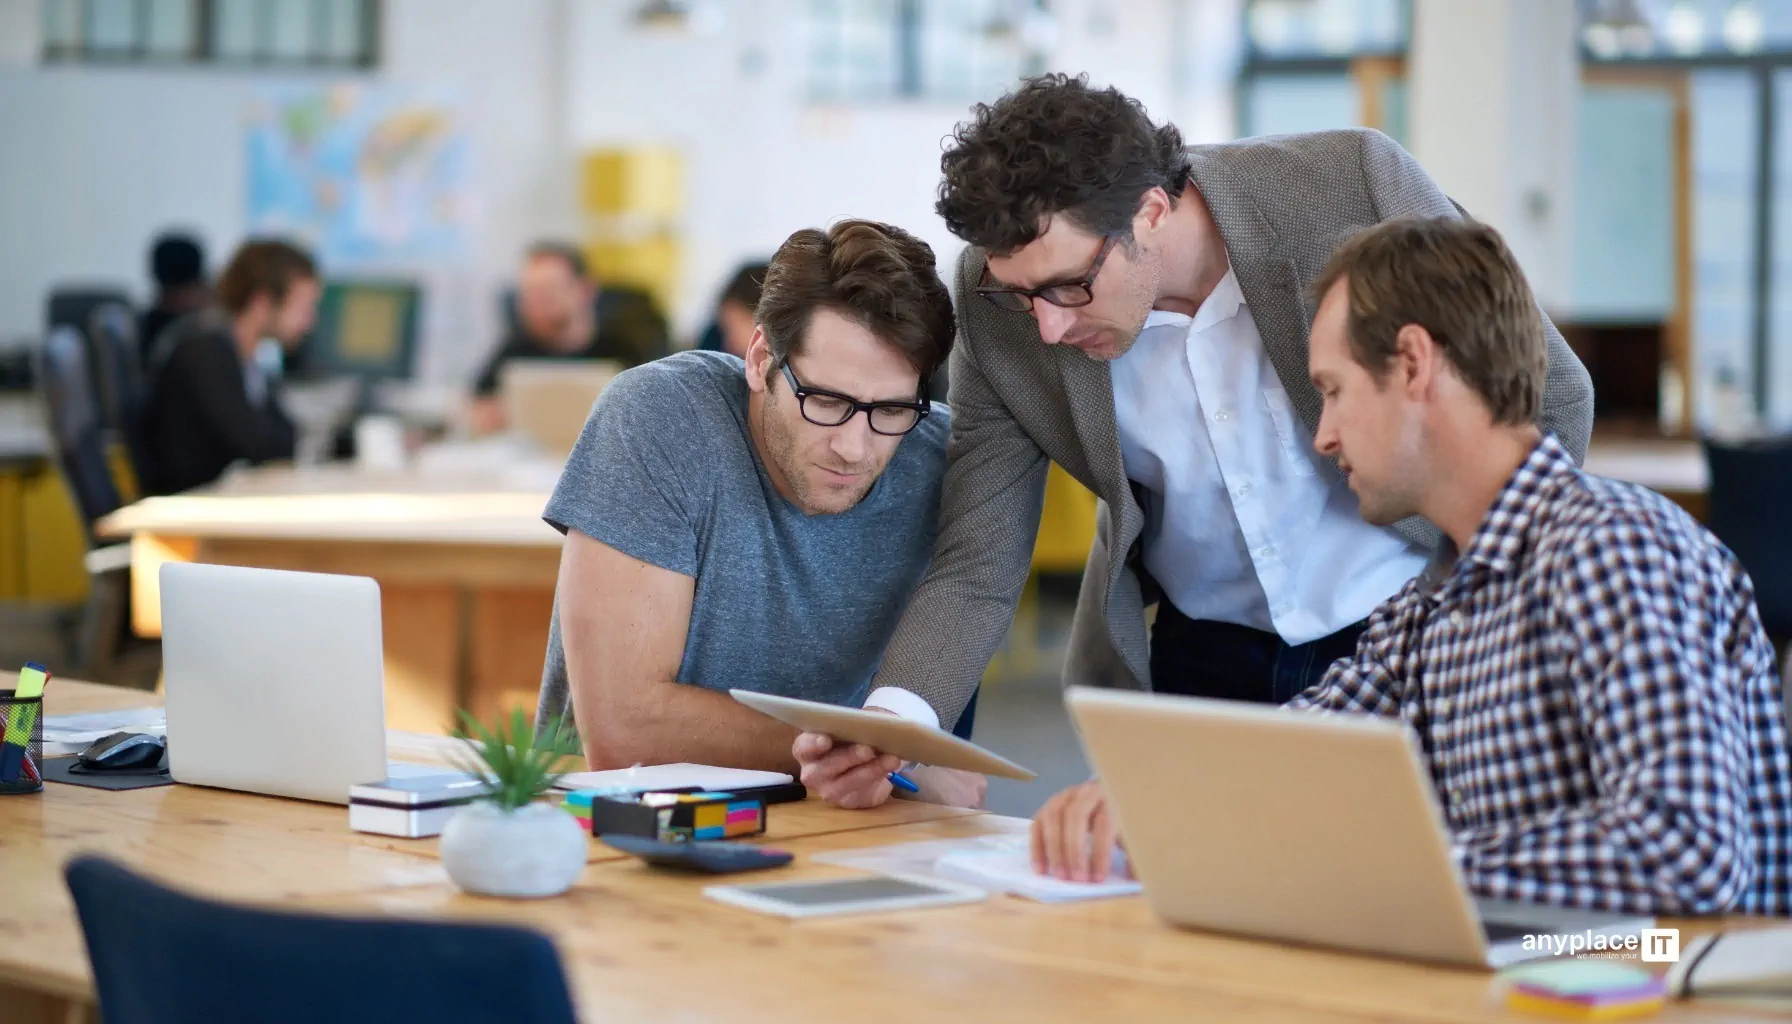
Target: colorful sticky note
1568 1009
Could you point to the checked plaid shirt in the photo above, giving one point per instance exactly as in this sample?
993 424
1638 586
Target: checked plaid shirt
1596 700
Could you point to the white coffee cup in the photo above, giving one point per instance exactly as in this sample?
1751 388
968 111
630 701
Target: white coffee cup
379 444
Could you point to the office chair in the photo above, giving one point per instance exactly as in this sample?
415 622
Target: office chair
1751 505
112 334
82 442
74 306
161 957
78 426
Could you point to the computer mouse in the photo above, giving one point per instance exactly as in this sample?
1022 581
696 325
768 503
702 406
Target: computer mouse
123 750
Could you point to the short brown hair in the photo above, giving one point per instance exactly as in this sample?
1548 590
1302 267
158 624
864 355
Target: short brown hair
567 254
877 276
1455 278
263 267
1055 146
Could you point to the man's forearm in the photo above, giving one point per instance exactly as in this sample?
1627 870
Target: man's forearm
664 722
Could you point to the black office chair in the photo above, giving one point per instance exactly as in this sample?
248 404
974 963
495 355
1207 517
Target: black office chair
118 361
104 649
78 427
1751 503
73 306
161 957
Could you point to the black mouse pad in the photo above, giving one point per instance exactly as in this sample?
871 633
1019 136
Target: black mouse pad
56 769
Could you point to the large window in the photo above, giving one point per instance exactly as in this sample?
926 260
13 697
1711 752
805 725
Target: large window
286 33
945 50
1316 64
1736 56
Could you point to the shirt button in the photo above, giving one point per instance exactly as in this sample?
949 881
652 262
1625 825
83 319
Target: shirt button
1221 416
1265 551
1243 491
1457 618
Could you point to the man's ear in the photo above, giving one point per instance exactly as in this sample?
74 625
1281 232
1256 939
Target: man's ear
1154 210
1416 361
758 359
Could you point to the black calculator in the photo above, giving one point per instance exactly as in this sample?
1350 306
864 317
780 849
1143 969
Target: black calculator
714 858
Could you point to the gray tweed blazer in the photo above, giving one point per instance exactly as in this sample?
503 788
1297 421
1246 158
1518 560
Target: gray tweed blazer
1282 205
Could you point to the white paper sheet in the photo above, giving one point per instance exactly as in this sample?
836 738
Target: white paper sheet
998 862
71 734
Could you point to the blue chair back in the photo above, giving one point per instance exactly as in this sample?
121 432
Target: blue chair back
1751 507
124 392
77 423
160 957
73 306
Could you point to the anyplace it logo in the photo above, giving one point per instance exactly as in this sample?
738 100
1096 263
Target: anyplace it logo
1654 945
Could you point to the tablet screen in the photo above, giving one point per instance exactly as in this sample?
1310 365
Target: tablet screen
845 890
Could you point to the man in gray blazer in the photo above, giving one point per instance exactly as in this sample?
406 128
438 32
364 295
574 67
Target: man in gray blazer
1136 312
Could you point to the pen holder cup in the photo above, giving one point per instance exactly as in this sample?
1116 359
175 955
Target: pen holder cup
22 745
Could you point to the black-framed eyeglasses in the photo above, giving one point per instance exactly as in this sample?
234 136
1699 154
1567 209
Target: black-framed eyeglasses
832 409
1065 294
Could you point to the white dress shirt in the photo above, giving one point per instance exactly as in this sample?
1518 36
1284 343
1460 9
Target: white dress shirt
1240 527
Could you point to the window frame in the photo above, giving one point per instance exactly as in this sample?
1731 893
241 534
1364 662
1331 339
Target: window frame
203 47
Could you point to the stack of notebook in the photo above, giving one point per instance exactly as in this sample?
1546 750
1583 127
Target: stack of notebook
1584 990
1751 968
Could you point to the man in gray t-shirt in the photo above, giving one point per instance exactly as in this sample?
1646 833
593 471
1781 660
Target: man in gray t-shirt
755 525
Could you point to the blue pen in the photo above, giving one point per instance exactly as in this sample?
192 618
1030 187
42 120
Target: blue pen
904 783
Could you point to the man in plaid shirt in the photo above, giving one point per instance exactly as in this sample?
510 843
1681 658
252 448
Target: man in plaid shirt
1582 664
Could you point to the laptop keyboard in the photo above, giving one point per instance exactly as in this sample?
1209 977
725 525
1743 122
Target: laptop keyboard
1498 931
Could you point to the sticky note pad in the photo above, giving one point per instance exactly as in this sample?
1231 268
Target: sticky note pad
1583 979
1584 990
1567 1009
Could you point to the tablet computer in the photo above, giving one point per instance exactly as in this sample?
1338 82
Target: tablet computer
859 895
906 739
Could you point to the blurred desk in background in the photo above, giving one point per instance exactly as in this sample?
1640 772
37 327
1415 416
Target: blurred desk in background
1674 468
465 564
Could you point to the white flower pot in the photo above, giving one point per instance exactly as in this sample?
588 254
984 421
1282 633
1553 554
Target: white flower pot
536 851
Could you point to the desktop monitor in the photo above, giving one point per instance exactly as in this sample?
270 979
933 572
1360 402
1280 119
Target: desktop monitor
365 329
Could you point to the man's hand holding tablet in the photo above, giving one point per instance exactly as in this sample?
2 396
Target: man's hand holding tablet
847 755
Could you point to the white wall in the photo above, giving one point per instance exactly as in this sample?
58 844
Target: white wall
760 163
95 160
1495 88
19 32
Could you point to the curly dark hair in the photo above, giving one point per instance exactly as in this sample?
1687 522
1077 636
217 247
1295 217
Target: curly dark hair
1055 146
878 276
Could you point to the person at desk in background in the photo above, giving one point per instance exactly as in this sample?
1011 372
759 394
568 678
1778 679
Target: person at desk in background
211 403
177 263
561 313
1130 309
1582 662
756 524
733 328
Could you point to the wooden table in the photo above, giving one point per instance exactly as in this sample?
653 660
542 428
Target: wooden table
235 845
634 940
465 564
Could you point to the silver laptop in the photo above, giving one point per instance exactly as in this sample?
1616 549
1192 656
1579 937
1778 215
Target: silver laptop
1303 827
274 681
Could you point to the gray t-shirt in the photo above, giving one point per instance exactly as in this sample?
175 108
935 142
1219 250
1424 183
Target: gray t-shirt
800 605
